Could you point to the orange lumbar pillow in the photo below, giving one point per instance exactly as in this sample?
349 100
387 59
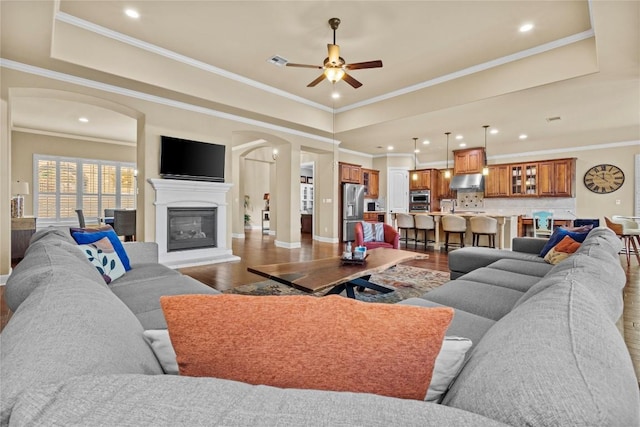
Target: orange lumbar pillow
330 343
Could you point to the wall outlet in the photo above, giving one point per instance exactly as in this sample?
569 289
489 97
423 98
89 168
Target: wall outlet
617 201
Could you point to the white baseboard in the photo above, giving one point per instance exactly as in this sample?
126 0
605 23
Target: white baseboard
288 245
326 239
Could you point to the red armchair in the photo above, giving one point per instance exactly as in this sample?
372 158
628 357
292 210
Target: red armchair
391 238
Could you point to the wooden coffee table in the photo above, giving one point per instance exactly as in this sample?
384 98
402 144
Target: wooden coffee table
317 275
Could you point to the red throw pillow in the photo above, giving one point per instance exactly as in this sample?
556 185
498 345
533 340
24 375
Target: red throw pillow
329 343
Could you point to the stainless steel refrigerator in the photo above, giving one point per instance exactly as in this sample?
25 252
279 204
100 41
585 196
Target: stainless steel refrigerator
352 209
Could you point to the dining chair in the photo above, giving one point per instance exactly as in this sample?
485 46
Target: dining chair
542 224
629 232
80 218
124 224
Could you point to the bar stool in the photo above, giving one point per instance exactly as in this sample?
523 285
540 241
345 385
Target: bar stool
405 222
424 223
453 224
484 226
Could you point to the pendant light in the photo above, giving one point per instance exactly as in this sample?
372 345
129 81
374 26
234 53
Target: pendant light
415 159
447 172
485 169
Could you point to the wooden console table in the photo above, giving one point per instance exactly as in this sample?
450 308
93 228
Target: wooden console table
21 231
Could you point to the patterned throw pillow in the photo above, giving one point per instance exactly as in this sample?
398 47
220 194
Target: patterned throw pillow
562 250
103 257
84 236
373 232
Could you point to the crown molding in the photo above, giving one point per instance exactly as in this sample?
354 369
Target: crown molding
174 56
67 78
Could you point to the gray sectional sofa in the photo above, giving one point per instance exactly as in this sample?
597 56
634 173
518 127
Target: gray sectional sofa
73 352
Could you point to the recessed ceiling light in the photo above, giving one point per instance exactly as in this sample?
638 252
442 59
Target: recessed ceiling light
493 131
335 95
463 144
459 136
390 148
426 142
523 136
132 13
83 120
526 27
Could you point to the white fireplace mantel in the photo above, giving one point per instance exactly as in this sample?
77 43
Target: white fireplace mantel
172 193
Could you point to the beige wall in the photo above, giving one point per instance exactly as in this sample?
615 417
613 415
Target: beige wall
25 145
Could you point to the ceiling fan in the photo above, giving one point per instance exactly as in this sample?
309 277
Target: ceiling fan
335 67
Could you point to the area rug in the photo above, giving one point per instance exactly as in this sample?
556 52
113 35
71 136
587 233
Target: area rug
407 281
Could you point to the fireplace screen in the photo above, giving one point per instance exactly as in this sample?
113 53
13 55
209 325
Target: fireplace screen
191 228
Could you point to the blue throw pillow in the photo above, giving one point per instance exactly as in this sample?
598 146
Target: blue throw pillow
87 236
558 235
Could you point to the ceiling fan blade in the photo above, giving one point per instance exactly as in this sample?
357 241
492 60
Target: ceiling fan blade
353 82
334 53
316 81
361 65
318 67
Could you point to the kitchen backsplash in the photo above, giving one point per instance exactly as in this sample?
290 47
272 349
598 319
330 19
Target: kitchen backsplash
470 199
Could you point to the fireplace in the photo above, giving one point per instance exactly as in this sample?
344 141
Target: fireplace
191 228
191 222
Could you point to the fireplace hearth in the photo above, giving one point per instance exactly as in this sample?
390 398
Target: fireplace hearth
191 228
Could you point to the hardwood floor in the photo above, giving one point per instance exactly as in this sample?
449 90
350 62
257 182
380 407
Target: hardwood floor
257 249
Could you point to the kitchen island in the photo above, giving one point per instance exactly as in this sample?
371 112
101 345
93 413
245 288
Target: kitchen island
507 226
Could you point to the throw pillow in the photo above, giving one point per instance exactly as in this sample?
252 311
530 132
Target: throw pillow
558 234
562 250
161 345
373 231
367 232
84 236
329 343
447 365
103 257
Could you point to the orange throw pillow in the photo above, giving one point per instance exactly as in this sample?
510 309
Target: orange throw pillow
329 343
562 250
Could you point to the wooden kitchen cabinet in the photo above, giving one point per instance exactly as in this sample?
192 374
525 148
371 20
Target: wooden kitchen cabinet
496 184
374 216
306 223
423 181
445 192
371 182
350 173
524 179
469 160
557 178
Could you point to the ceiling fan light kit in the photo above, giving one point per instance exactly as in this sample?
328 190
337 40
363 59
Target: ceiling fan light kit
334 66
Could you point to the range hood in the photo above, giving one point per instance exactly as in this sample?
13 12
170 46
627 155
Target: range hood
473 181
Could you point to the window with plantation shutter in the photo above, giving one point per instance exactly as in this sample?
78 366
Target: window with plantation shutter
67 184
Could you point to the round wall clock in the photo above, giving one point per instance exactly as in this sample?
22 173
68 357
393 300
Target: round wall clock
604 178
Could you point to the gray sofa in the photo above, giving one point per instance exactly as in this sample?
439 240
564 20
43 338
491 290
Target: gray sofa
73 353
546 347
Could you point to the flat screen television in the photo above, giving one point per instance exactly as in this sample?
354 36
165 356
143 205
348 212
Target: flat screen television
185 159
